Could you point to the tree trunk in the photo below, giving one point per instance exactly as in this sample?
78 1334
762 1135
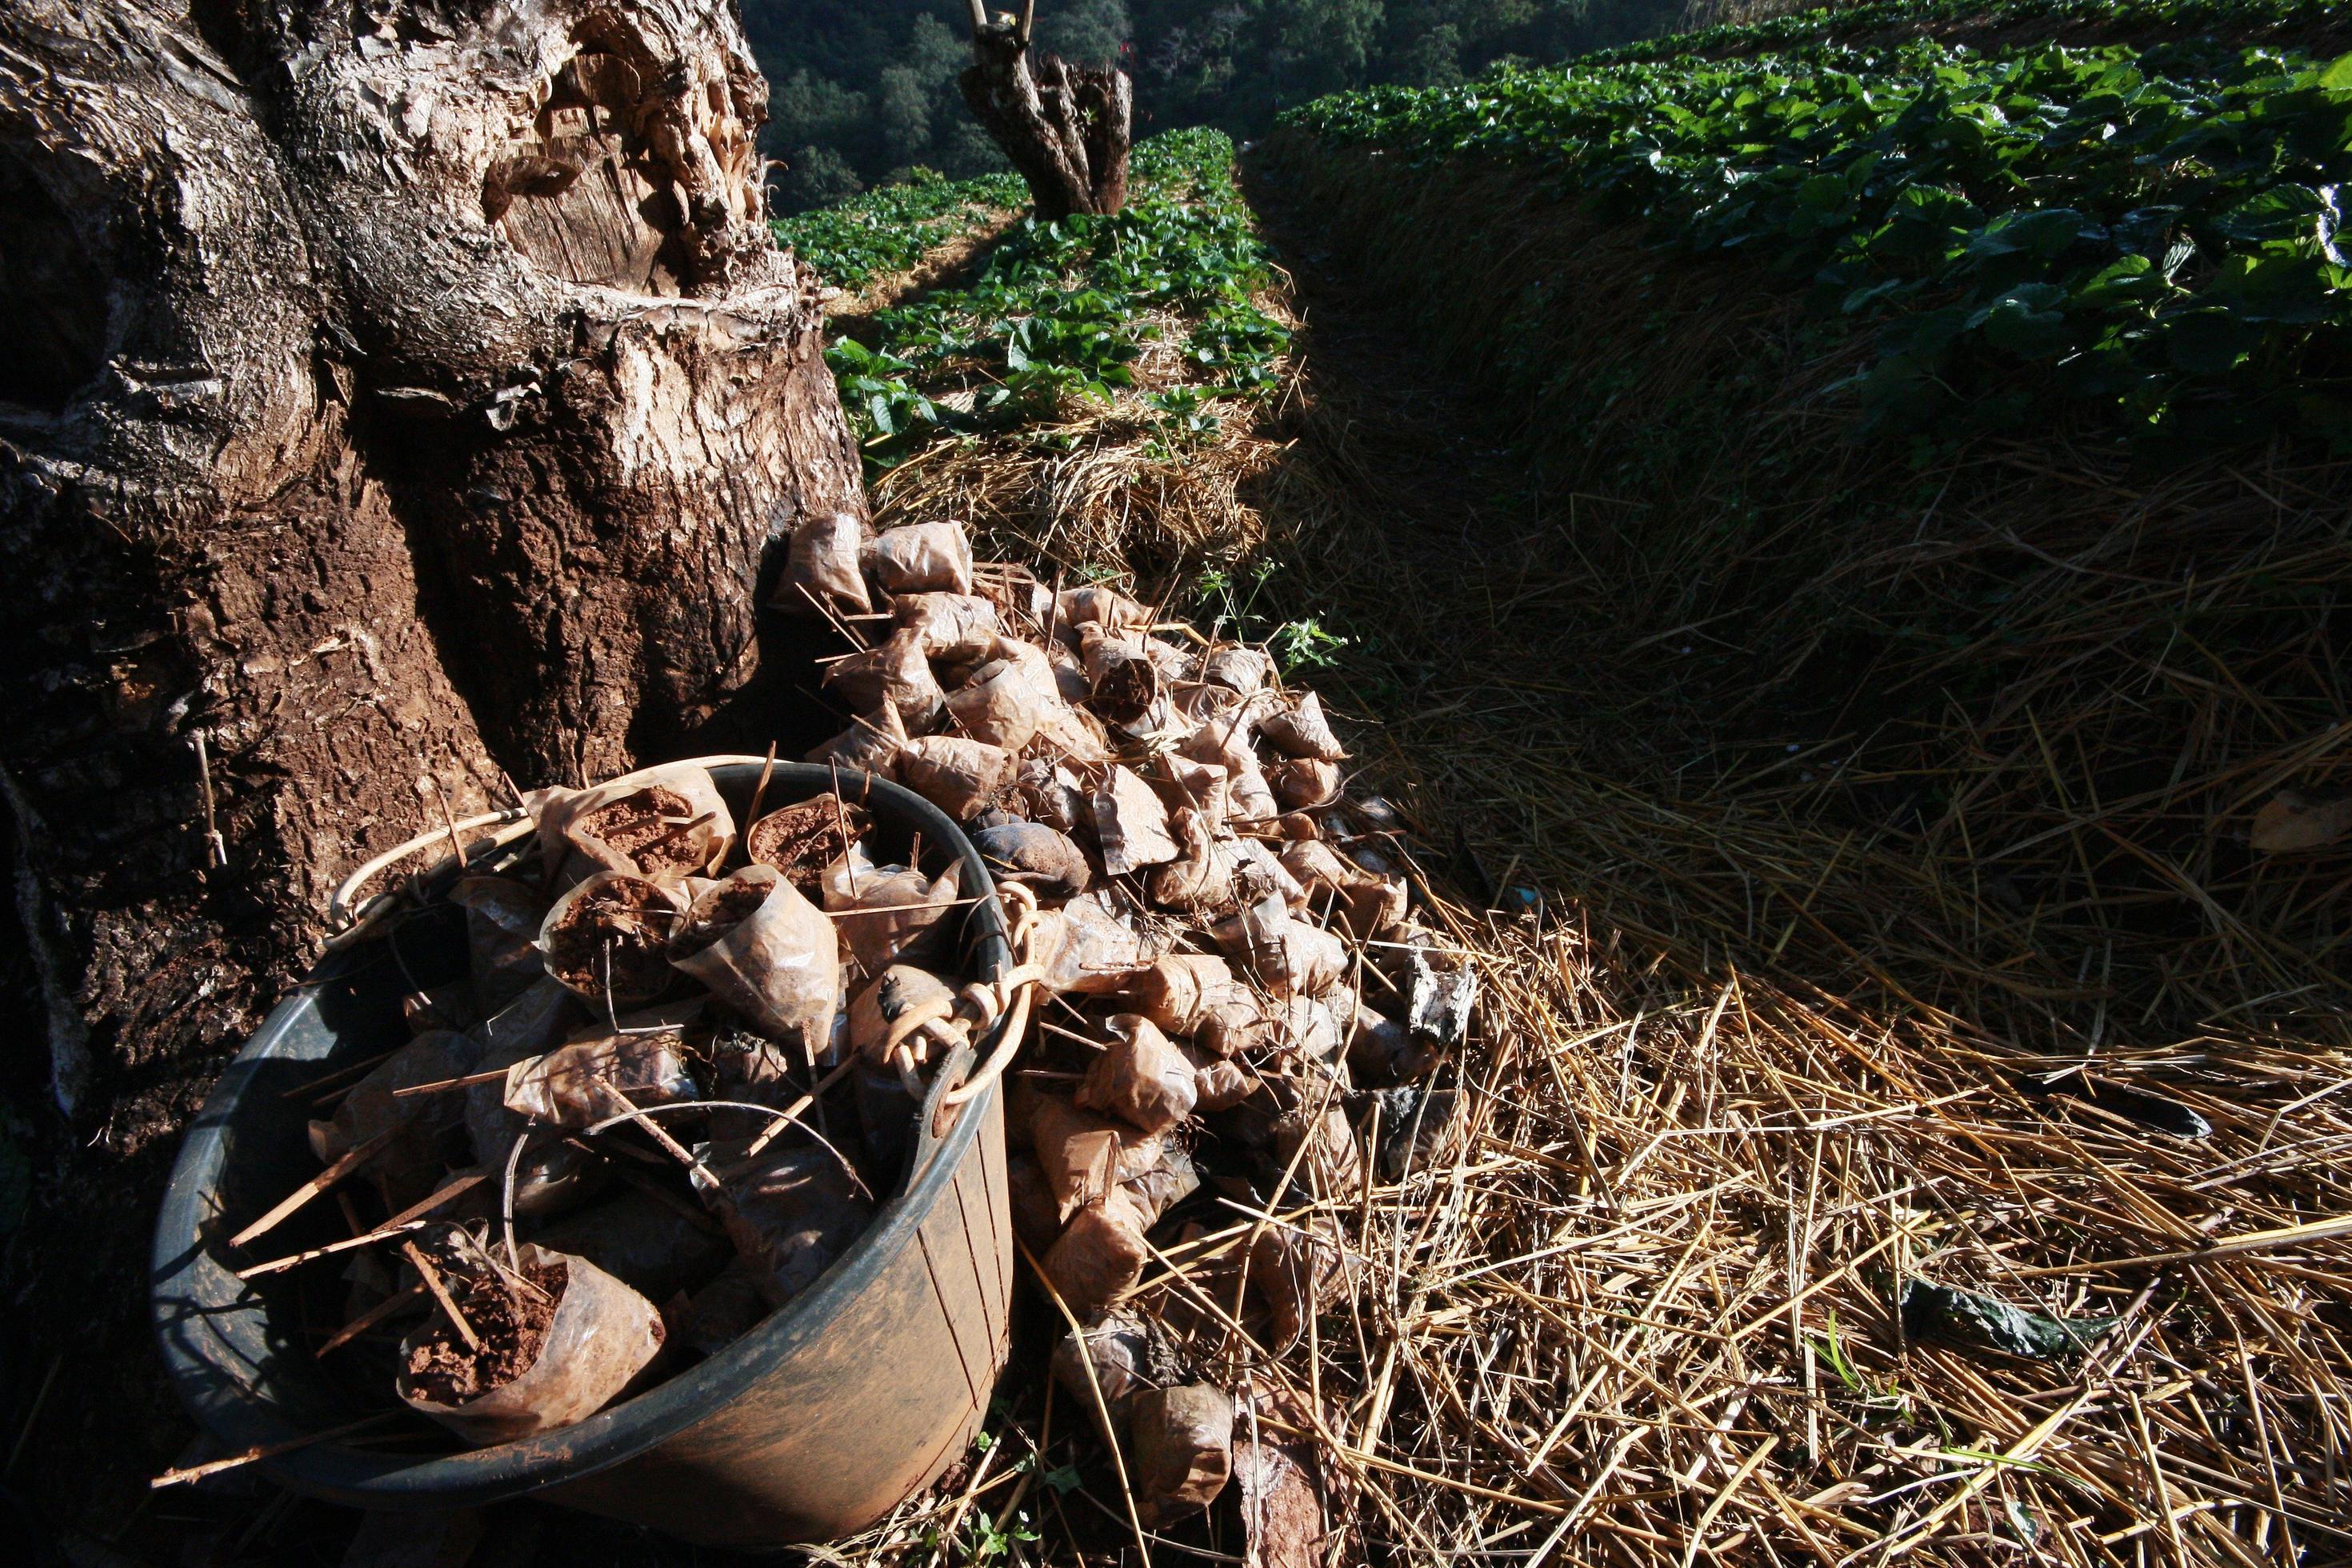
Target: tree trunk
403 388
1065 126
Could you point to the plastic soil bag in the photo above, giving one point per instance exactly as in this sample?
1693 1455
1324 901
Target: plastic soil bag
1106 607
1084 1155
998 705
1100 1256
656 1249
1301 731
957 775
607 940
427 1129
587 1080
551 1173
1201 877
1195 997
896 674
1181 1443
871 744
502 920
1368 905
767 954
663 824
1129 823
1241 670
823 566
1169 1182
1117 1353
725 1310
1287 956
919 558
1050 793
532 1356
898 991
1140 1078
1302 783
952 628
792 1214
801 839
1086 947
1031 852
897 910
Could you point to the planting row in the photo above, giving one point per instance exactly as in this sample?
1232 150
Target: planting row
890 229
2169 18
2149 235
1062 313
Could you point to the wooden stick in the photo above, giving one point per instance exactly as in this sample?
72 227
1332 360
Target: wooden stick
326 1080
759 790
265 1451
449 1083
371 1318
352 1158
432 1277
400 1224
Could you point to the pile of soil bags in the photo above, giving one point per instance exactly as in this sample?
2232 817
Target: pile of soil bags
1233 968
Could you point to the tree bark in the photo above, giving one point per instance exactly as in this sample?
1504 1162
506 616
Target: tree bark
406 388
1066 127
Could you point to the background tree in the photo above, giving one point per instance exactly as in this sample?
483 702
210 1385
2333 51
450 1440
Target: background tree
1064 126
1230 63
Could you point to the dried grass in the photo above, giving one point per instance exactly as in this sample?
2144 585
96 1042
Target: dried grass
1813 902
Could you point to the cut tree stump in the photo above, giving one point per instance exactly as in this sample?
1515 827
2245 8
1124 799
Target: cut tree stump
399 389
1066 127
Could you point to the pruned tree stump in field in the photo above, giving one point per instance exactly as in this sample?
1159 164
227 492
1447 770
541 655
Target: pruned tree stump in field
1066 127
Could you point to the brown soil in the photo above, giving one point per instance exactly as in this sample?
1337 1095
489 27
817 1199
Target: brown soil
648 827
625 923
717 914
512 1326
803 838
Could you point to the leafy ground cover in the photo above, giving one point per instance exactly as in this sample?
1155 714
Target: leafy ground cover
891 229
1063 315
2147 236
2240 19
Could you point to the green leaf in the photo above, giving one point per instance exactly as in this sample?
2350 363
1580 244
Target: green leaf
2209 343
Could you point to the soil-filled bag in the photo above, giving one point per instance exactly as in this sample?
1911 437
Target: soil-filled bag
898 675
1300 730
608 939
645 1243
954 628
664 823
502 920
767 953
603 1072
1036 854
998 705
427 1129
540 1367
822 567
871 744
801 839
897 992
792 1214
957 775
921 557
552 1173
1087 946
883 914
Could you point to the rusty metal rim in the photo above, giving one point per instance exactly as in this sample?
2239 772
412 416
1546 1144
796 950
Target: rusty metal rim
219 1392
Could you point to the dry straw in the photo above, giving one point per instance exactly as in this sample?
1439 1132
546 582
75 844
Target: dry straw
1757 1061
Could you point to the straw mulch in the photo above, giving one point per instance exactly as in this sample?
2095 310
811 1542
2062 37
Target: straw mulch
1756 1056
